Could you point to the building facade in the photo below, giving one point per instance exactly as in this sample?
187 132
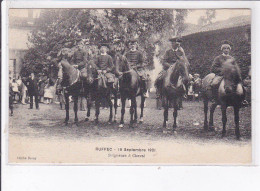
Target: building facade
21 23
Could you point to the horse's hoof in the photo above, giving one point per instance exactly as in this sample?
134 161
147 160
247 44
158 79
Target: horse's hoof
206 127
141 120
223 135
165 131
238 137
165 124
96 121
175 132
109 122
86 119
121 126
211 128
66 122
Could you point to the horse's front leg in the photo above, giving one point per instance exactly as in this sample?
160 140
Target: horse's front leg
224 118
211 123
115 107
75 98
236 114
110 107
142 109
123 100
135 110
132 111
205 102
97 105
88 107
175 114
67 107
165 113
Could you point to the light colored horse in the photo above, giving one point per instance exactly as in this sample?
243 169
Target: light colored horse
230 93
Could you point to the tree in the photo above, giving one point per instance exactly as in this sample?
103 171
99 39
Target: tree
59 28
207 19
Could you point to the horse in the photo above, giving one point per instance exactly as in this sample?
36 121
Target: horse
73 82
173 88
98 90
130 88
229 93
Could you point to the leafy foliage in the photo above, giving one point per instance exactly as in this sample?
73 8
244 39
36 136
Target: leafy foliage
60 28
205 20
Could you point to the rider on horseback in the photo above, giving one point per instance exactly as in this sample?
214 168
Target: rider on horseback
135 61
104 65
170 57
217 66
79 57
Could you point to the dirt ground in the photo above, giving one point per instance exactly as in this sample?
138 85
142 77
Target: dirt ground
46 125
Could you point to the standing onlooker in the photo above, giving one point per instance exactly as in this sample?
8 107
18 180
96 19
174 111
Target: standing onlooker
20 85
11 95
49 91
247 86
15 90
24 93
32 86
42 84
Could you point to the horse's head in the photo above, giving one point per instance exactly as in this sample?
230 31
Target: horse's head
182 67
232 75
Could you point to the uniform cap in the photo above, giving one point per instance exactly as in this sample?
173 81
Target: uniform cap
175 39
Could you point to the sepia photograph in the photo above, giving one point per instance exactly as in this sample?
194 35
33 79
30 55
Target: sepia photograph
129 86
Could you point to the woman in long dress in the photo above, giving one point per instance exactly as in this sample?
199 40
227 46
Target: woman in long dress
49 91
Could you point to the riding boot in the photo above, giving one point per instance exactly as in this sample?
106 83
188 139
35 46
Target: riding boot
144 89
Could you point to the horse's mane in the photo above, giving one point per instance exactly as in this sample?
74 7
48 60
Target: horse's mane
231 71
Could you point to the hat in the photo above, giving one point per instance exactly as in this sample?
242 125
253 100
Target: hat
116 40
175 39
103 44
132 40
226 43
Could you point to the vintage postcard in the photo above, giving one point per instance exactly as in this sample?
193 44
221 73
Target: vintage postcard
129 86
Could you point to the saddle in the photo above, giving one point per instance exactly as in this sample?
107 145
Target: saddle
105 78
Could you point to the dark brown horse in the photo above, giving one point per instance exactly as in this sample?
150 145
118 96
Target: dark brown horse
101 89
130 88
173 88
230 93
73 82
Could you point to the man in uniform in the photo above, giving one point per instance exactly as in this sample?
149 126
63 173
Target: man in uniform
135 61
217 65
170 57
79 57
104 65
